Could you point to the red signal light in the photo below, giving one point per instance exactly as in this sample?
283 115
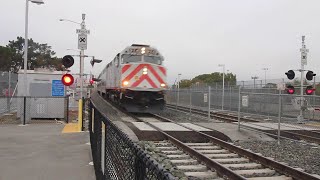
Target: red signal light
290 89
91 81
67 79
309 90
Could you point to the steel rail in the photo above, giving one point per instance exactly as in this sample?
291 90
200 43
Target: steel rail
220 169
212 114
287 170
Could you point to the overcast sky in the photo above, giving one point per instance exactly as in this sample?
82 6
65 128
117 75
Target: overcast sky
194 36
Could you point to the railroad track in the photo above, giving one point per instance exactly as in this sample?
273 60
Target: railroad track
217 159
307 135
216 115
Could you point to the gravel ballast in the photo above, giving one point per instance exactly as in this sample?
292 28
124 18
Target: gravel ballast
295 154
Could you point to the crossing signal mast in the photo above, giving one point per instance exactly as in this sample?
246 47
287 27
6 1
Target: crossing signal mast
309 76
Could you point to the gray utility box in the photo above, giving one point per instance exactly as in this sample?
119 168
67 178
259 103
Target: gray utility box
45 95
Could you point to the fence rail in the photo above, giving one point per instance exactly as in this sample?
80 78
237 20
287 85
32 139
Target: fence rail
116 156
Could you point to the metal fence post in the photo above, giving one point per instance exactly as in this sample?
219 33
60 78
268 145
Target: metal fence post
67 109
24 110
209 102
230 92
177 99
279 120
217 106
239 106
190 105
8 104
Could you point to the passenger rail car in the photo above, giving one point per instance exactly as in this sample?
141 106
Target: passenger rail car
135 79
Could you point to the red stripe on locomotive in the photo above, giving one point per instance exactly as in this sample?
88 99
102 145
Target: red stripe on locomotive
163 70
134 72
155 73
125 68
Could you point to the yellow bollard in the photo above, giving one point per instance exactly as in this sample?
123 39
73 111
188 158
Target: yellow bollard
80 116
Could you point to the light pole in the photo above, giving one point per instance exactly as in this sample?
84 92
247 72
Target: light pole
265 75
25 63
223 71
254 81
83 31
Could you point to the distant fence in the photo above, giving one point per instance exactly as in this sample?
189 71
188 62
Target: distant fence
261 101
24 109
115 156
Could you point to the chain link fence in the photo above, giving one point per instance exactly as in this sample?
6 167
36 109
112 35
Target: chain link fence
115 156
263 102
6 88
26 110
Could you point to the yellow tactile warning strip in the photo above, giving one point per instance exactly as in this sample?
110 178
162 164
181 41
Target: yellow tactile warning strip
70 128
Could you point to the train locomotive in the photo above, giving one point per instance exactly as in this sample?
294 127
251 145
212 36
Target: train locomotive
135 79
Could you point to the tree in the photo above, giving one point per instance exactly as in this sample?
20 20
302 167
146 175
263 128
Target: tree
185 83
215 77
5 58
39 55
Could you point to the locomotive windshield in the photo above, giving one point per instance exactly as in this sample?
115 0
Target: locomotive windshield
152 59
127 58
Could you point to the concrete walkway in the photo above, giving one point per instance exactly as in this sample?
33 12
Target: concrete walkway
42 152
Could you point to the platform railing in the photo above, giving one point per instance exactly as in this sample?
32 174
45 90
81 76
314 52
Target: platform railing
116 156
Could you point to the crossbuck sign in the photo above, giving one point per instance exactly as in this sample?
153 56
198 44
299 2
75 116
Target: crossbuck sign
82 41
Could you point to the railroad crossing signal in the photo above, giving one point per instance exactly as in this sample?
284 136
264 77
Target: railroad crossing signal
92 79
95 61
290 74
96 79
67 79
67 61
310 75
309 90
290 89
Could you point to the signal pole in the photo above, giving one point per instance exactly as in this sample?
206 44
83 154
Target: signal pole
304 52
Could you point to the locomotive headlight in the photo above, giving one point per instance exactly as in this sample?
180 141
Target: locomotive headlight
125 83
145 70
163 85
143 50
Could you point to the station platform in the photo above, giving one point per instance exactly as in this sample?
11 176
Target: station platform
224 131
42 151
231 130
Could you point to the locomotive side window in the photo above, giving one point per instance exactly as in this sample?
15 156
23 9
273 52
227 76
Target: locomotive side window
127 58
153 59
